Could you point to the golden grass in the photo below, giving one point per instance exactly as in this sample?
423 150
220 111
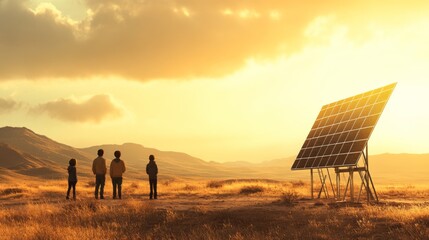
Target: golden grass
191 209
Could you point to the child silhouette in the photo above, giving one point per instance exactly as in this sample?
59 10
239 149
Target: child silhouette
72 180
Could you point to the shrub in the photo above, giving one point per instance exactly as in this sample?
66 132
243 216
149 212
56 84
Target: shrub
9 191
289 198
296 184
134 185
83 206
168 182
251 189
188 187
90 184
215 184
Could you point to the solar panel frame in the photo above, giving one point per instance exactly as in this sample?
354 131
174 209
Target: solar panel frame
342 129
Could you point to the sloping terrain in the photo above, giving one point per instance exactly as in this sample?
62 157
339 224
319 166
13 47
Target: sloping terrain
175 164
39 146
25 153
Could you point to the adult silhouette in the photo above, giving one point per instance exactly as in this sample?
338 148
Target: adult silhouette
117 168
99 169
152 171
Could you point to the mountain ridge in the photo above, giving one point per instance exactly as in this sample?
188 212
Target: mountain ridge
28 154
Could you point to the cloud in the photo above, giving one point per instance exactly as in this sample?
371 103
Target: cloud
155 39
95 109
7 105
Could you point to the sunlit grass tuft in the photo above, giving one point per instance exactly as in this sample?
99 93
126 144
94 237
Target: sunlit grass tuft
289 198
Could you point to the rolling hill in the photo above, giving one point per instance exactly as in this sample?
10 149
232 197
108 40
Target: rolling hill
29 154
39 146
26 154
170 163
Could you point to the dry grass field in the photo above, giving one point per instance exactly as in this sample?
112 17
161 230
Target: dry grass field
201 209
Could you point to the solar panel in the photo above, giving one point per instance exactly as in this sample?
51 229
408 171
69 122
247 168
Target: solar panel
342 129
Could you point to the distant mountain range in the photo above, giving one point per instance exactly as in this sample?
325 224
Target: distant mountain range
25 154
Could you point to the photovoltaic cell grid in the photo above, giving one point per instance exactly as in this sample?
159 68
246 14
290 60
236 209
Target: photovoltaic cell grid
342 130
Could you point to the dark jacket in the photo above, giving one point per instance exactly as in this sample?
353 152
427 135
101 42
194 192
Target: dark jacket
72 174
152 169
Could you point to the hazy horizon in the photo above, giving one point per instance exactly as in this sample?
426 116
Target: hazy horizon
222 81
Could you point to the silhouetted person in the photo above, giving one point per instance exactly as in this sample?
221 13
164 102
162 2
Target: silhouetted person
152 171
72 180
117 168
99 169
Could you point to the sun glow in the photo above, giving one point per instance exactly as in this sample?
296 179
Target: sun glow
275 15
248 13
183 11
227 12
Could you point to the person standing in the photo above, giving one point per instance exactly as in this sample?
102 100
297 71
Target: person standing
72 180
99 169
152 171
117 168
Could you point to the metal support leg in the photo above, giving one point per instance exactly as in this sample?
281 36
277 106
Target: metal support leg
363 185
368 190
311 177
322 189
347 187
332 186
324 186
338 185
351 186
373 187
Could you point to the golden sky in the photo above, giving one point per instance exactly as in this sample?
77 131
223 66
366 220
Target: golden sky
218 79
